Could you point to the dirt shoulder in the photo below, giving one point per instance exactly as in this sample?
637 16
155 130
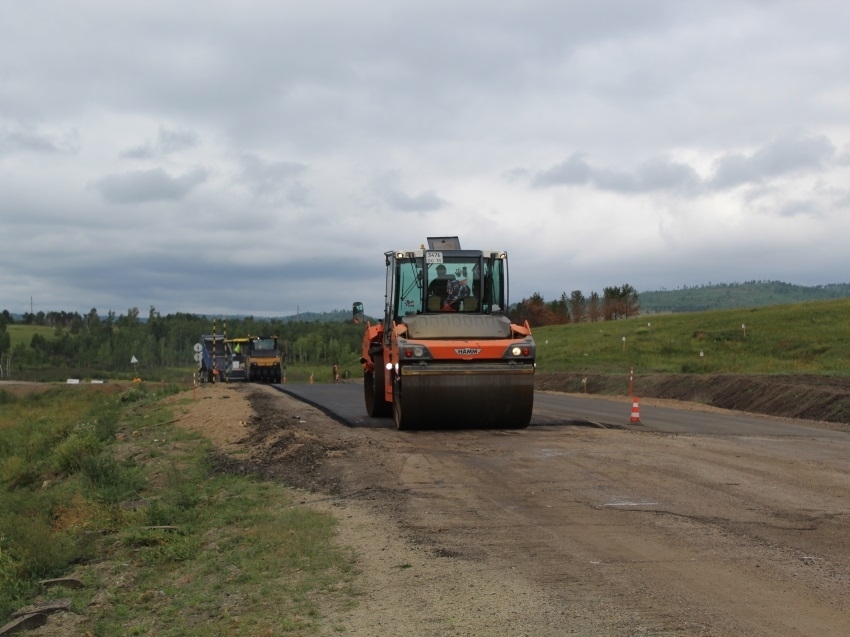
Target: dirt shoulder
354 476
571 530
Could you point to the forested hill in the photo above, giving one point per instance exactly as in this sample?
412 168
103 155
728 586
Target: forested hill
737 295
337 316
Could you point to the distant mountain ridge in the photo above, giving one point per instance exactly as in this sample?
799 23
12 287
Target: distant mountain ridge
724 296
334 316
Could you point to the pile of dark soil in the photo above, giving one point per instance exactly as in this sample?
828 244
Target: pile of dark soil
809 397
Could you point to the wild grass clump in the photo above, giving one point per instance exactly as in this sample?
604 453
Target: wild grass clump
12 585
134 394
178 547
111 481
54 451
70 454
35 548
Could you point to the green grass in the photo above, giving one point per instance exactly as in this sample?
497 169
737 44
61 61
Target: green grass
804 338
91 488
19 333
724 296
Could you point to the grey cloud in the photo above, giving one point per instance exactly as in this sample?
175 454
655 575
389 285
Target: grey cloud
799 208
274 179
780 157
445 94
147 185
30 141
662 174
167 142
423 202
571 172
515 174
175 281
653 175
172 141
139 152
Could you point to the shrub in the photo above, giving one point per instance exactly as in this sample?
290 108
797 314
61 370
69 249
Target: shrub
134 394
12 469
112 481
70 454
33 545
13 589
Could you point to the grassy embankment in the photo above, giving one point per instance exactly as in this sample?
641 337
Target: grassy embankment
803 338
91 488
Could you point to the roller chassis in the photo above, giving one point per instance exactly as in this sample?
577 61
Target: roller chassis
448 368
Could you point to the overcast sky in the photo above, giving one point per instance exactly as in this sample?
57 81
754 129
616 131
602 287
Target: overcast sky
259 157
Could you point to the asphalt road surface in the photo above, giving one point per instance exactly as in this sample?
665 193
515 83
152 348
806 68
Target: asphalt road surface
344 402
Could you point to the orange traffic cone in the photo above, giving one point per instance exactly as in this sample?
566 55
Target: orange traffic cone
635 411
311 377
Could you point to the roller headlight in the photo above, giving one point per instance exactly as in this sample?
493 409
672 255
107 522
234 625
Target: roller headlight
414 352
519 350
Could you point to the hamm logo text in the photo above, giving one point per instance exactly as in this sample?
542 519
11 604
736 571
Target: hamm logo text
467 351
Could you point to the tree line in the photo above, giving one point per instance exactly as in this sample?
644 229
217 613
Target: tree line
617 302
108 343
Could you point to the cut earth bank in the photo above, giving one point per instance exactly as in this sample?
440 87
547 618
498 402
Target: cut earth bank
808 397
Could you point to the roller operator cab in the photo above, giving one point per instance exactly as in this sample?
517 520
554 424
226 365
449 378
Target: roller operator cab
446 354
